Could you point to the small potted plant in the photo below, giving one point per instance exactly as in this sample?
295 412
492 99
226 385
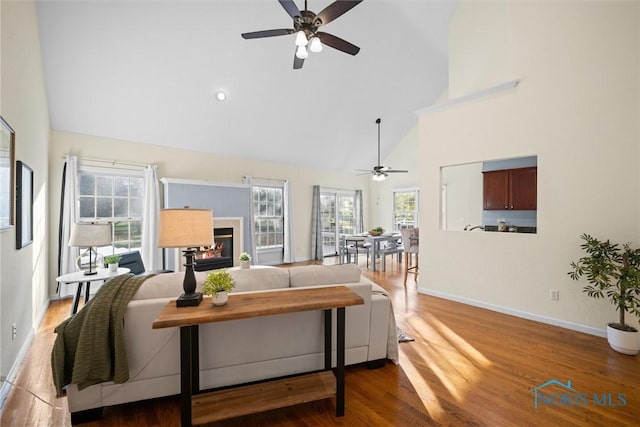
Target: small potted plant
613 272
376 231
218 285
245 260
112 261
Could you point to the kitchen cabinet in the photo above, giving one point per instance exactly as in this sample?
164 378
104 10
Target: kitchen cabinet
511 189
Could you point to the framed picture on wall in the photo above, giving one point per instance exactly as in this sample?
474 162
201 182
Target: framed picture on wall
7 173
24 205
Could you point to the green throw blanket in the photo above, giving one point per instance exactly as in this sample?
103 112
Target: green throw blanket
90 346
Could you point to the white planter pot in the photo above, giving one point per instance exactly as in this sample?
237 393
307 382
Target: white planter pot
245 264
623 341
220 298
113 267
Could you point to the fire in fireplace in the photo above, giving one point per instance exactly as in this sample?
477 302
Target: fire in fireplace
218 255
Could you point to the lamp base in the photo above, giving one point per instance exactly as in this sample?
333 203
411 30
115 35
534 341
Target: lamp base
90 273
189 300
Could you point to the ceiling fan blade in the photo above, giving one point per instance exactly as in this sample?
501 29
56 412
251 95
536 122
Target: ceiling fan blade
268 33
297 62
338 43
395 171
336 9
290 7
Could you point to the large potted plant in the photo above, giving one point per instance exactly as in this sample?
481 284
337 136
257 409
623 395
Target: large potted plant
218 284
613 272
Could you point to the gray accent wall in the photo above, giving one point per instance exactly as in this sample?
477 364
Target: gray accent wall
225 200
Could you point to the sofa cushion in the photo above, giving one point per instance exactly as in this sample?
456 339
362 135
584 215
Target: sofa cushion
259 279
167 285
313 275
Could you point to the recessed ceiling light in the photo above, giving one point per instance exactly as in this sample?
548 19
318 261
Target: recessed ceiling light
221 95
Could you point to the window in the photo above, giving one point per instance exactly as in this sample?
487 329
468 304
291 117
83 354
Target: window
269 217
405 208
337 212
116 197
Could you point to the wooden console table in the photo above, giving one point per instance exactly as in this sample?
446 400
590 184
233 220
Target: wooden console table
199 408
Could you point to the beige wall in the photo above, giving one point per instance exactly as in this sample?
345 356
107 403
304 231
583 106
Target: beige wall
23 273
577 109
185 164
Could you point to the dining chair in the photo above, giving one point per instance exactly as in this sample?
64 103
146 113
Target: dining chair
356 245
410 244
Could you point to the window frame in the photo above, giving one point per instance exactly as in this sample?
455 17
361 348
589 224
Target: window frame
338 229
117 246
416 211
277 247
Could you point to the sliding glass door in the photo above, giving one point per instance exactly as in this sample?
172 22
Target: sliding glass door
337 213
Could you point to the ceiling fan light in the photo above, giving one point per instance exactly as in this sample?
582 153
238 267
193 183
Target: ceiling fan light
379 177
301 52
301 39
315 45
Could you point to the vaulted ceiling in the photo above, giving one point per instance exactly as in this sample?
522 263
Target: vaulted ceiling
147 71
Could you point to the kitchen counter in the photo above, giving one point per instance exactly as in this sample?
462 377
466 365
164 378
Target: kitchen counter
531 230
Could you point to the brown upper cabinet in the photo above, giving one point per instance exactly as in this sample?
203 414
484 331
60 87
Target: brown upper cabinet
511 189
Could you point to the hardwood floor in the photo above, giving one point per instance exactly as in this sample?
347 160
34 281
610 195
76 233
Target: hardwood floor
467 366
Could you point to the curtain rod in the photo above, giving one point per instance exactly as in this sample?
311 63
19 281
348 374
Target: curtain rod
112 162
265 179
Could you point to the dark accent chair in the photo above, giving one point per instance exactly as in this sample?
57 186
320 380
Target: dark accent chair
133 261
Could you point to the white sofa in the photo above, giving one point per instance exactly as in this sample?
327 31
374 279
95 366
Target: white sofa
247 350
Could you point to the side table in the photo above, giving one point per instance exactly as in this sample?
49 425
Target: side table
79 277
199 408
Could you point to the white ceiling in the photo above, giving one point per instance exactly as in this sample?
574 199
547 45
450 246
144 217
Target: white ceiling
147 71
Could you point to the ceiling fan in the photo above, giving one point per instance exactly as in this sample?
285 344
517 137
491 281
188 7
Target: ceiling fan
306 24
379 172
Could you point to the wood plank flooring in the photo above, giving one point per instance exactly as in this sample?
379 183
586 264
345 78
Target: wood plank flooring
467 366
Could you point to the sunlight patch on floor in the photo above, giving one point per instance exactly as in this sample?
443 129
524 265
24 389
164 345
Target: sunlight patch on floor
456 340
425 392
455 363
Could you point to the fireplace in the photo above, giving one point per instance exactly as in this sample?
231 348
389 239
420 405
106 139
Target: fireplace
218 255
235 248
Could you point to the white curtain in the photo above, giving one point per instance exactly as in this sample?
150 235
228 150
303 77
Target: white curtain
69 215
289 241
151 254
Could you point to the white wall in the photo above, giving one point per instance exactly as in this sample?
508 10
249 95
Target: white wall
403 157
463 200
577 109
185 164
23 273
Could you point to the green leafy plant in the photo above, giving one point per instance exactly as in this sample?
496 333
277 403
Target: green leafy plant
112 259
244 257
612 272
376 231
217 281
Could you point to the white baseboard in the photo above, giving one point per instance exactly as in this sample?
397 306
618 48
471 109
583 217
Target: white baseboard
13 372
518 313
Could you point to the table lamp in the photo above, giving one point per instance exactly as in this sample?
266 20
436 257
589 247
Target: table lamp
90 235
189 229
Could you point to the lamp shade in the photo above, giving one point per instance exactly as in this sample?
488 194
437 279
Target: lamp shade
90 234
185 228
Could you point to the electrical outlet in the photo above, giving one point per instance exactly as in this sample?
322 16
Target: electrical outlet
14 331
554 295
